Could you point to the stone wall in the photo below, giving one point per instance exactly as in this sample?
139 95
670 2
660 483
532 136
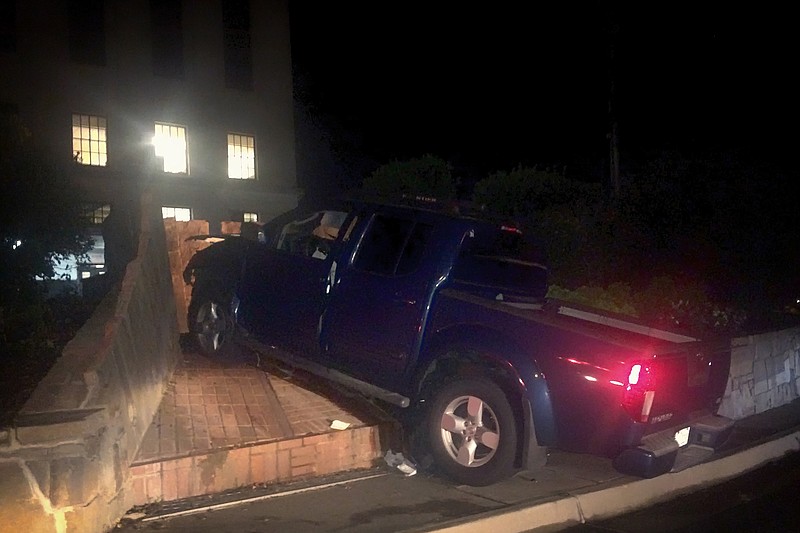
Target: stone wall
64 466
765 373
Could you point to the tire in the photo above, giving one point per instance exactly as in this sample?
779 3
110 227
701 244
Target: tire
472 432
212 325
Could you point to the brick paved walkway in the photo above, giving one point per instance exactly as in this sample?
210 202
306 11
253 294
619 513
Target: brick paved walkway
215 409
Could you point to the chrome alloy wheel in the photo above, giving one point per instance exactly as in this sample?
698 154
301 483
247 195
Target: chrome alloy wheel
212 326
470 431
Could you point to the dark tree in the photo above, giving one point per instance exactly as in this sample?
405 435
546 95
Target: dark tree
41 220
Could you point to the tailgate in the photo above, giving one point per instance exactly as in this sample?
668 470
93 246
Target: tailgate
689 375
689 382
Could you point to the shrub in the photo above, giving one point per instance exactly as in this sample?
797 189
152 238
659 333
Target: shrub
424 176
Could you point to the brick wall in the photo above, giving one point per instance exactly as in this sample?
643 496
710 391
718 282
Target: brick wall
180 249
271 462
64 466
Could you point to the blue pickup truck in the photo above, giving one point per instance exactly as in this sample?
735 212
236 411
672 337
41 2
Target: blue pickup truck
441 311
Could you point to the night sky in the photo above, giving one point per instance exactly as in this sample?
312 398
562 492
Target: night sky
489 87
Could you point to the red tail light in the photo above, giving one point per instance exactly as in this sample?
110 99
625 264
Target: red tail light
637 399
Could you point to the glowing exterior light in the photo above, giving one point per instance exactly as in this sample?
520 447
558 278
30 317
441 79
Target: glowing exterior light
590 378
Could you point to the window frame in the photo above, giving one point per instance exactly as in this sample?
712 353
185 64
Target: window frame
166 34
178 127
96 214
237 44
242 160
174 208
98 158
86 25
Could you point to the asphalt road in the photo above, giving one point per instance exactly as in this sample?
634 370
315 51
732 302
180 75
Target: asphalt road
387 502
764 500
383 500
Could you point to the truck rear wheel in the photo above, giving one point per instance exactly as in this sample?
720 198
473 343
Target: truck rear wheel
472 432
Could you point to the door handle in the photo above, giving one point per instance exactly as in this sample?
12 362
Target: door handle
401 299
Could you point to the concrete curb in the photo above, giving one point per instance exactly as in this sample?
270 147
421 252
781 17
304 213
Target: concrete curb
594 504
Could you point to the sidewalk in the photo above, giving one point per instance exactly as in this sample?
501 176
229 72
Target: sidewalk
227 424
570 489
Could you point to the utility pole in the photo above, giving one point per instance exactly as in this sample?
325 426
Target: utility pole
613 145
612 31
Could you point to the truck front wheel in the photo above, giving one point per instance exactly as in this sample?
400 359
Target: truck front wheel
472 432
212 324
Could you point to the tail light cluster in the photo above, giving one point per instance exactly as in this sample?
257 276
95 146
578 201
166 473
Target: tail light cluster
637 398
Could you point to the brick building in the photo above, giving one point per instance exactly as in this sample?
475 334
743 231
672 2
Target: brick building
192 97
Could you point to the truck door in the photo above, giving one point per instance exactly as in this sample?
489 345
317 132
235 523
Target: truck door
284 282
373 321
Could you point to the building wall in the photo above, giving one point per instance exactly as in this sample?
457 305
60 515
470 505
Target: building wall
47 87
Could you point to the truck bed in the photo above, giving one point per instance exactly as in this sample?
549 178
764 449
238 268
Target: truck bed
585 355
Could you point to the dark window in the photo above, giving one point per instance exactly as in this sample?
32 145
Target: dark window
96 213
236 34
8 25
167 31
87 36
8 110
392 245
412 254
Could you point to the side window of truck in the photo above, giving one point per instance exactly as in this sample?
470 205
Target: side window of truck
392 246
412 254
311 235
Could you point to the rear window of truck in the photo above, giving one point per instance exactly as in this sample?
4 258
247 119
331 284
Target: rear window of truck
501 260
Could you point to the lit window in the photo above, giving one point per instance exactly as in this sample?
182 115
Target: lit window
250 217
96 214
89 140
181 214
170 143
241 157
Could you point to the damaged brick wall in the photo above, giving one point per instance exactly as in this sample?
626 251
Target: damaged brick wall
181 246
64 466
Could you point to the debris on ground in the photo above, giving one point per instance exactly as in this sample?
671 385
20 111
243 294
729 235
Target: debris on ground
340 425
397 460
